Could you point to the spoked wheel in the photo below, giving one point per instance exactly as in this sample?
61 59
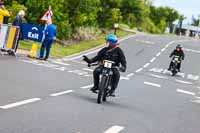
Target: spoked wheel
101 94
105 95
174 72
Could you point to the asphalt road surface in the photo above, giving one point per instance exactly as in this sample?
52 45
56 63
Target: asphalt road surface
54 96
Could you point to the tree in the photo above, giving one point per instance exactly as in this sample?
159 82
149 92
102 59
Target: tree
160 14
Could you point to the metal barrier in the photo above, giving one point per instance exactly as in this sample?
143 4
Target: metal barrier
9 37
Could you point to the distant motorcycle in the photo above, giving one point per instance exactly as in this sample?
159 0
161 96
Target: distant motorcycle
174 67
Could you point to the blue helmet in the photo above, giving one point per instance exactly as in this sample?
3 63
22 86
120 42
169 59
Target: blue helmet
112 39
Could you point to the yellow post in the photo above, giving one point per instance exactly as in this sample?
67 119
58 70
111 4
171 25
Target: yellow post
34 49
11 38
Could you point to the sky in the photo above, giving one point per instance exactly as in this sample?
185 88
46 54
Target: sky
188 8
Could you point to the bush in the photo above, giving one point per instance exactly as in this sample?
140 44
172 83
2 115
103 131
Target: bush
85 33
149 26
124 26
64 30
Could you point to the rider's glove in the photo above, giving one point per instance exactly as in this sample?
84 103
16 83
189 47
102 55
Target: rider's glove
122 69
86 59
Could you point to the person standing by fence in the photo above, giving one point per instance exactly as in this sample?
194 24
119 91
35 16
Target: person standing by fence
18 22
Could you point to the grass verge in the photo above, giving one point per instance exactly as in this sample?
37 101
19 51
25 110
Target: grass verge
58 50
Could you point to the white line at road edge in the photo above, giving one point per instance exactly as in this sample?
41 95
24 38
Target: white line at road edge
157 76
184 82
146 65
20 103
196 101
158 54
60 63
152 60
114 129
198 87
139 70
92 51
124 78
197 97
87 69
130 75
163 49
61 93
152 84
86 87
186 92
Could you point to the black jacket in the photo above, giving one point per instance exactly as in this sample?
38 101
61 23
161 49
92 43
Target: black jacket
114 54
178 53
18 22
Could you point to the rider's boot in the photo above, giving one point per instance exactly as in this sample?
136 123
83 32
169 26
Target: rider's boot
94 89
112 93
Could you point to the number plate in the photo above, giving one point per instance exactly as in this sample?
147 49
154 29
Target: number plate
107 64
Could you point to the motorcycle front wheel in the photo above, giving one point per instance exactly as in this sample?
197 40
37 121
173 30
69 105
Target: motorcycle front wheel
102 89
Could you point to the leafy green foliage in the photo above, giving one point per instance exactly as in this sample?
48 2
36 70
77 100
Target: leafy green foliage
70 15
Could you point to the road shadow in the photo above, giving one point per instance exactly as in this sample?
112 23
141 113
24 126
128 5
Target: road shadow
112 102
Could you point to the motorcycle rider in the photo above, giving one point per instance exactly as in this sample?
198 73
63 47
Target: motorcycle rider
113 53
177 52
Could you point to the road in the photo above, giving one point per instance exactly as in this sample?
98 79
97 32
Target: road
54 96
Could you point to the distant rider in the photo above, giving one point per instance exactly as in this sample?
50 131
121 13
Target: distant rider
177 52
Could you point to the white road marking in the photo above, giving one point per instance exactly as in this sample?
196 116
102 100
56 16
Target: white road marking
163 49
88 75
139 70
20 103
152 60
27 61
60 63
192 50
181 74
198 87
50 65
197 97
146 65
47 65
158 54
114 129
124 78
61 93
186 92
196 101
184 82
152 84
88 86
166 71
79 62
87 69
166 46
192 77
92 51
61 68
143 41
157 70
130 75
157 76
82 73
